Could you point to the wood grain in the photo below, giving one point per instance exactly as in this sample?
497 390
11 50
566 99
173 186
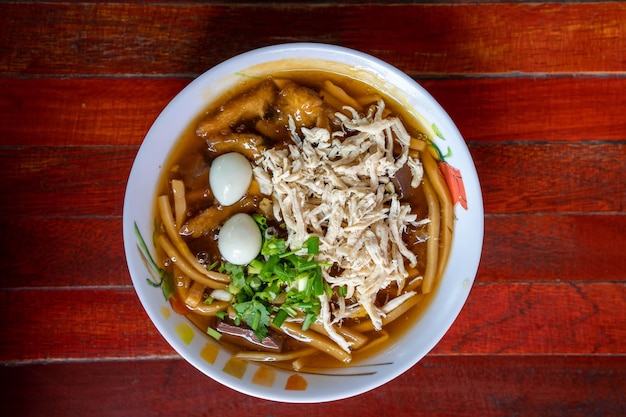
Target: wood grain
536 89
525 318
45 252
81 112
534 109
551 177
507 385
41 252
568 318
75 323
64 181
550 247
515 178
104 111
154 39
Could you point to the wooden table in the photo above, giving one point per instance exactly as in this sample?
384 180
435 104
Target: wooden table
537 89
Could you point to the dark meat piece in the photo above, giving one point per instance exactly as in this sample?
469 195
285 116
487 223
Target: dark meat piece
402 183
245 337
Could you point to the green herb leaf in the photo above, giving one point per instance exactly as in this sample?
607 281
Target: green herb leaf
273 246
278 284
313 245
343 291
256 315
261 222
280 318
213 333
437 131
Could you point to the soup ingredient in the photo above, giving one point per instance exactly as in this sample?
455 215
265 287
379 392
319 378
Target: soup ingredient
281 283
343 199
240 239
272 342
229 177
253 103
338 187
176 249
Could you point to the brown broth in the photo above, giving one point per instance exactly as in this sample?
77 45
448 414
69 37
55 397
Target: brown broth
190 160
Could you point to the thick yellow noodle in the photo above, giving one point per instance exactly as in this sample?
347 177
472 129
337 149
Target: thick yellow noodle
316 340
175 257
433 242
168 222
367 325
275 357
447 213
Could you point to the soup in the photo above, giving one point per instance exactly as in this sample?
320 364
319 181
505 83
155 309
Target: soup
302 220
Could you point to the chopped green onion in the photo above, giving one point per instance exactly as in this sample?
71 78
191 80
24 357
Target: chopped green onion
343 290
308 320
301 283
318 284
261 221
273 246
213 265
257 320
313 245
280 318
255 267
213 333
269 265
279 283
306 266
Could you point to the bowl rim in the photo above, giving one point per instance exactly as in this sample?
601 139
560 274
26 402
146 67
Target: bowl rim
381 69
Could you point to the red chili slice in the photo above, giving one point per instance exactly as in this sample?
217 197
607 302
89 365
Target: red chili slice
455 183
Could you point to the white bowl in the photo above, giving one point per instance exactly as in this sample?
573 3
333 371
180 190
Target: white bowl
202 351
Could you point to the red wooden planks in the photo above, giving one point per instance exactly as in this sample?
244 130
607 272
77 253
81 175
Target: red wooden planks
515 178
39 252
554 247
536 89
534 109
421 39
525 318
531 248
552 177
70 111
576 386
75 323
64 181
567 318
99 111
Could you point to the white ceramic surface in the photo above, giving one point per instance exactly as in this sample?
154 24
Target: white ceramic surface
202 351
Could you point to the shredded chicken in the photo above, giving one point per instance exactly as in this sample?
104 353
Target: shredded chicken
337 185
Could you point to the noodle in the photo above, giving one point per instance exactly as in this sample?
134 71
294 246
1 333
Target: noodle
357 339
194 295
340 94
447 213
274 357
316 340
211 309
175 257
191 261
367 325
434 227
